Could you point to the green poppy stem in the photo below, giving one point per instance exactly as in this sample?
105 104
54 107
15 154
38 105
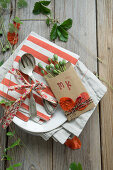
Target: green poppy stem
3 28
1 44
47 72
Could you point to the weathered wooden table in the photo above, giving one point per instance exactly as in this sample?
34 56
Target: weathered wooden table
93 32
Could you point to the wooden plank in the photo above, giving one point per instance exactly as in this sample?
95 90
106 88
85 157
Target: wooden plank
8 14
84 30
34 153
2 142
40 149
105 51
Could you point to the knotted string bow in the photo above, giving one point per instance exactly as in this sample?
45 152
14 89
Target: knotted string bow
12 110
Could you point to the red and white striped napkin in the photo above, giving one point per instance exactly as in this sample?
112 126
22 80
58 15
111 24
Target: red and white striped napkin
41 49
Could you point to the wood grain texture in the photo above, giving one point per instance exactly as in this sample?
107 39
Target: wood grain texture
34 153
2 142
84 29
9 13
105 51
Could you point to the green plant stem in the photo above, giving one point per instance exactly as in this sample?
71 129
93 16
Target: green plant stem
52 19
38 164
32 19
50 74
59 71
1 44
3 28
109 85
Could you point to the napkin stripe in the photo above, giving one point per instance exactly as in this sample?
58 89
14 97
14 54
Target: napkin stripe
22 116
35 53
52 49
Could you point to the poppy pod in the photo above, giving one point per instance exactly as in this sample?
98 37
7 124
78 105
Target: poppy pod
66 103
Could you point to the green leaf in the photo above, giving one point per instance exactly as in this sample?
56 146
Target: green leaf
17 20
67 24
14 144
48 22
10 168
53 33
3 4
11 28
1 63
1 32
45 3
17 165
45 10
22 3
62 34
2 101
8 1
39 7
7 157
7 103
7 47
73 166
79 166
10 133
3 50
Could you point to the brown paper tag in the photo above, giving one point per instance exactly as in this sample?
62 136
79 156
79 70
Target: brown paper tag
68 84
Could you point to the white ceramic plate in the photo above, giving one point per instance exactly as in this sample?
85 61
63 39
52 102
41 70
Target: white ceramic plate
57 120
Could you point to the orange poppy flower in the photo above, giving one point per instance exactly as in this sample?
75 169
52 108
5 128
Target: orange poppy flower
73 143
84 97
12 38
66 103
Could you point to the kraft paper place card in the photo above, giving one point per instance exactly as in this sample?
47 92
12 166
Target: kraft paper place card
68 87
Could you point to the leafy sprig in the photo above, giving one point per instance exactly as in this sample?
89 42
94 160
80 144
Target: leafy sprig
17 20
6 103
8 157
1 62
40 7
58 30
4 3
22 3
74 166
12 28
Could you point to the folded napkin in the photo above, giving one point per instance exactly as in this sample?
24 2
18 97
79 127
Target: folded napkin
96 90
42 48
